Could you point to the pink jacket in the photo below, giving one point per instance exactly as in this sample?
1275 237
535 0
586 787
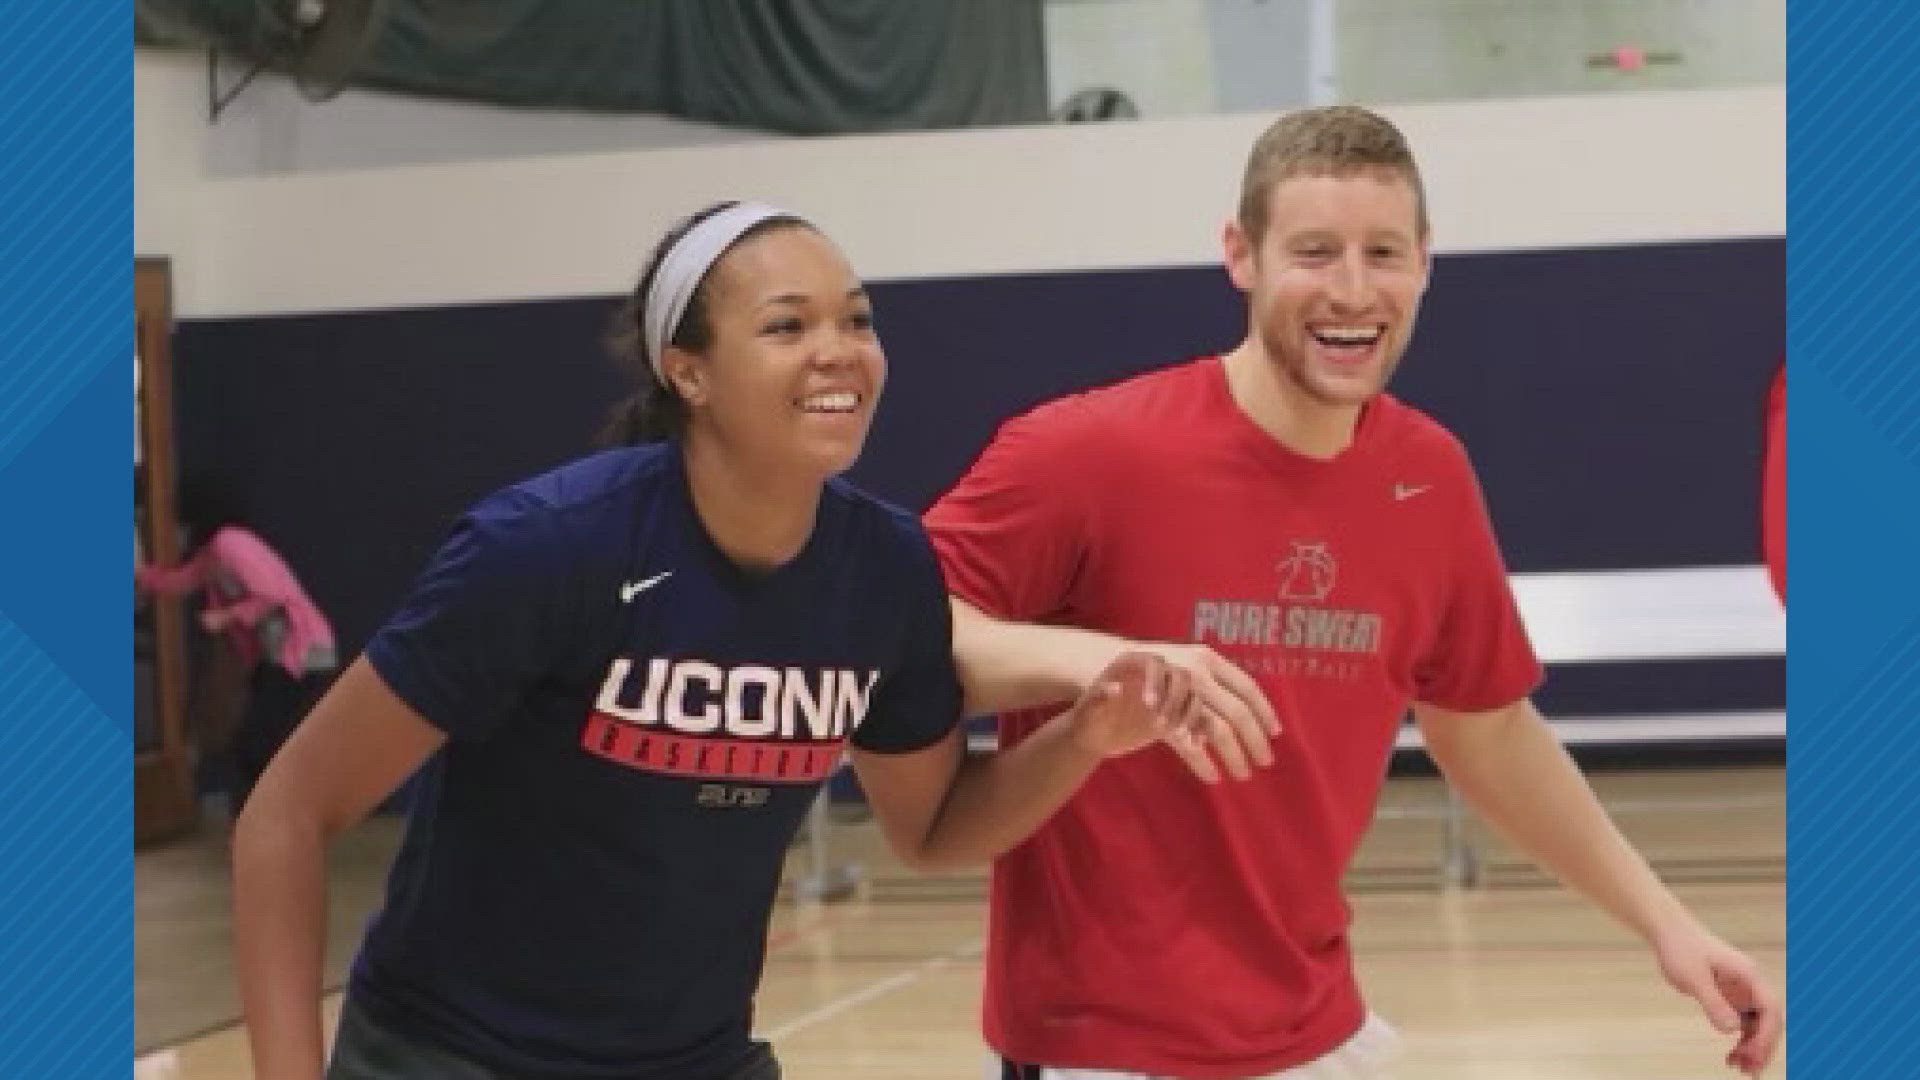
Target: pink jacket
253 598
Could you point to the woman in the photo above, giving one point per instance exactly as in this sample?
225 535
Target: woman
626 679
277 650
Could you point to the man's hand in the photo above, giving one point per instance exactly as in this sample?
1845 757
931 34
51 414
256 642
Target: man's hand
1236 722
1137 699
1729 987
1200 704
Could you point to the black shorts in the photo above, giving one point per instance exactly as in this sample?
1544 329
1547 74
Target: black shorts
365 1049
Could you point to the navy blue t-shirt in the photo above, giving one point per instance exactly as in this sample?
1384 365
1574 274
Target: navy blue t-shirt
636 728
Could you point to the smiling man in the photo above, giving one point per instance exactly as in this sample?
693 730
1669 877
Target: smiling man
1314 546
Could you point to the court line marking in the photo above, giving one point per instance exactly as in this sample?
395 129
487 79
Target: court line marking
871 991
162 1062
158 1065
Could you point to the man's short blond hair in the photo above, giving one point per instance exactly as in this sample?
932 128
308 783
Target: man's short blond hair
1333 140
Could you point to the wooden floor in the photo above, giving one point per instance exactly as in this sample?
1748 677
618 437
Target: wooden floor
1515 980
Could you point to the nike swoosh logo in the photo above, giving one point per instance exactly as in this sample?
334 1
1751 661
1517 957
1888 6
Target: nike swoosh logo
634 588
1408 491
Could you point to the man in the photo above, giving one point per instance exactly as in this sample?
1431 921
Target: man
1320 545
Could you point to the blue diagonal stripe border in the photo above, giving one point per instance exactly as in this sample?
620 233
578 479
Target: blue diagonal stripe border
1854 536
66 540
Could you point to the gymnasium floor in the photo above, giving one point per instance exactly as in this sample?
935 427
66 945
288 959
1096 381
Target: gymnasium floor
1513 980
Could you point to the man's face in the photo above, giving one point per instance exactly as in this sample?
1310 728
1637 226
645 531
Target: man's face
1334 283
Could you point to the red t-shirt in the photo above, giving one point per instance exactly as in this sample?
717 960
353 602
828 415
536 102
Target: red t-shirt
1773 490
1157 924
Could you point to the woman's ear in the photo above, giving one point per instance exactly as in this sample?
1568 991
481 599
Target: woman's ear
687 373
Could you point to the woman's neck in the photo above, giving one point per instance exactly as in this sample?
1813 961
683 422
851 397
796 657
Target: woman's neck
760 519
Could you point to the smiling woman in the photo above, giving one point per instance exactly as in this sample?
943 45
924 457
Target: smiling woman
622 683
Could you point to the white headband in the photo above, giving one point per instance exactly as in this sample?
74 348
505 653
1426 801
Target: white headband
685 264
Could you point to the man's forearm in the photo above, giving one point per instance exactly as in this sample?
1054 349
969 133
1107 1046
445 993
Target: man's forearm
1007 665
1514 771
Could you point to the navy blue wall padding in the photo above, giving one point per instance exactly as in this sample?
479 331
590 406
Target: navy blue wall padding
1630 687
351 441
1611 398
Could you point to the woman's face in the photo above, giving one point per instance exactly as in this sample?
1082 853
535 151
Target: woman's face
793 368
